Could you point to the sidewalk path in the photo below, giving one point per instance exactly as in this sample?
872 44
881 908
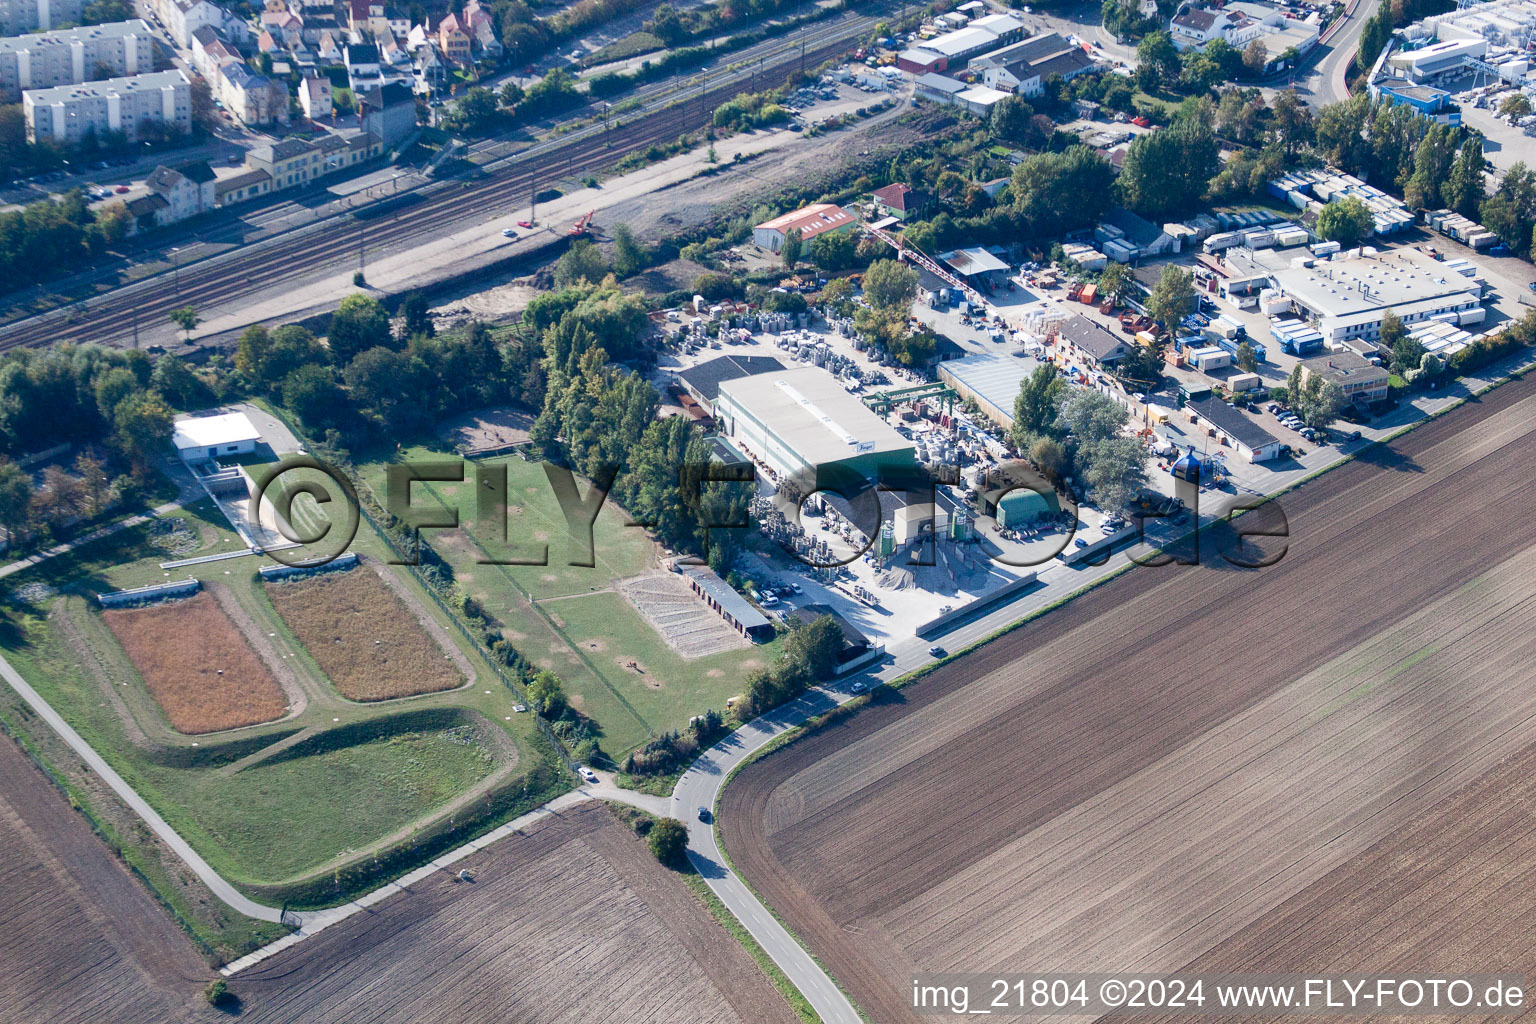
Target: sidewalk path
22 564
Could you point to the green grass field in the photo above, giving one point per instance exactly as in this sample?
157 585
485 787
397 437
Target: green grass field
666 690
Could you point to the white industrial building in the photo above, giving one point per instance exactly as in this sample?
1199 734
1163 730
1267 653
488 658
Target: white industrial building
199 438
71 56
802 423
69 113
1349 295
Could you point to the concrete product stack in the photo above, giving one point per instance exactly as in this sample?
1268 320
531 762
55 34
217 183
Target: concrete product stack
1272 303
1325 186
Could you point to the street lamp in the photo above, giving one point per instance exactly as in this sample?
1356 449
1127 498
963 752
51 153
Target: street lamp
176 270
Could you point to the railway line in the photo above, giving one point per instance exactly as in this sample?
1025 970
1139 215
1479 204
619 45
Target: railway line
507 184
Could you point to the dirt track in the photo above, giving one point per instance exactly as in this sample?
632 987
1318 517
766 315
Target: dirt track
1146 777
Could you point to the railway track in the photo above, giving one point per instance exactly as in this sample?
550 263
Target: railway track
114 317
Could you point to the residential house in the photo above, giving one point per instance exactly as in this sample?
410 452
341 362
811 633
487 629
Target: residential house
210 52
188 190
430 70
181 18
362 61
367 17
327 49
315 97
453 40
252 98
19 16
902 201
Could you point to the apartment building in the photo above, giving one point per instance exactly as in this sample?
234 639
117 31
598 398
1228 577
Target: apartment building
69 113
18 16
71 56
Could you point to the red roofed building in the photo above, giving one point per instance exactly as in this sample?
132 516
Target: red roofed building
901 201
817 219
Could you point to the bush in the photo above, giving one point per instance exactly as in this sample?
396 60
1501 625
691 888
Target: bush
358 280
217 992
668 841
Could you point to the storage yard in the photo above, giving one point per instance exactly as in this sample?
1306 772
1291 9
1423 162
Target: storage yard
1170 735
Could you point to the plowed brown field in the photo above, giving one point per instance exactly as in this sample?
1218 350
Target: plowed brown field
197 664
573 921
1201 765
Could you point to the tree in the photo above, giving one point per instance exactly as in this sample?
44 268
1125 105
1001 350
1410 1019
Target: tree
1157 61
1036 407
1247 358
1012 121
1346 221
1056 191
1047 455
668 841
473 113
583 261
1114 281
890 286
628 257
1167 172
1090 417
511 94
311 393
15 499
186 318
359 323
793 247
1464 190
1515 107
415 321
1291 123
1511 211
1406 350
177 384
1117 470
547 695
834 250
143 428
1172 297
1255 58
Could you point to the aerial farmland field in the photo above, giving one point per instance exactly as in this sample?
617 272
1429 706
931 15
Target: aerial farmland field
1199 766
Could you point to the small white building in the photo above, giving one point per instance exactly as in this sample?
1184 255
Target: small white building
198 438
